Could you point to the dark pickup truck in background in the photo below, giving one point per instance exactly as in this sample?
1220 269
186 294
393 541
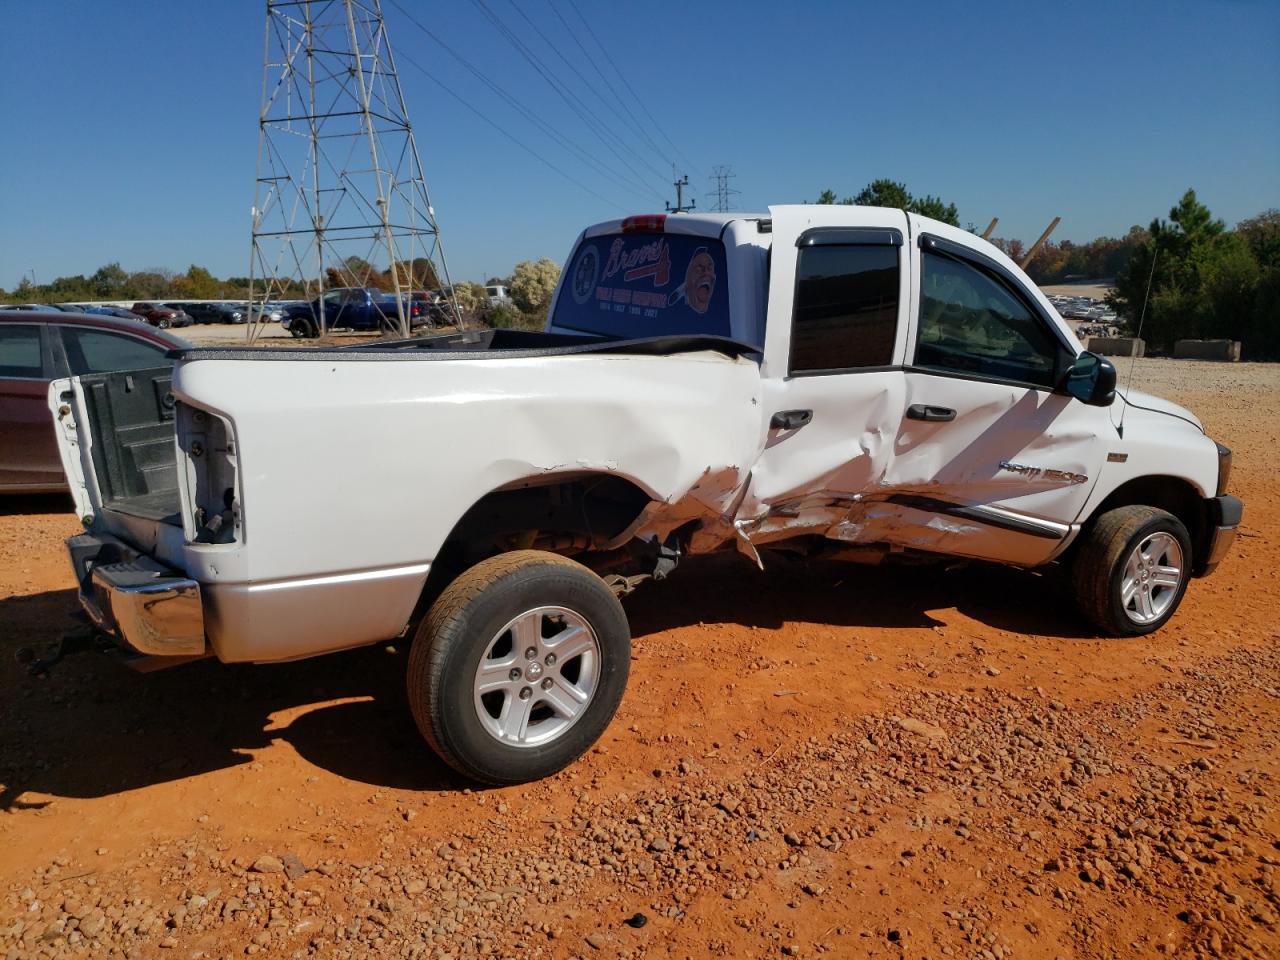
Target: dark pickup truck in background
353 308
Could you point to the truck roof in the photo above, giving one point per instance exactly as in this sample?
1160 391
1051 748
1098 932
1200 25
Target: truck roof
697 224
712 224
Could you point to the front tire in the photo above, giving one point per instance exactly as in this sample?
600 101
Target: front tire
518 667
302 328
1131 570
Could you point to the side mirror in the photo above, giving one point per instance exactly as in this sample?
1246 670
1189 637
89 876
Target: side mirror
1092 380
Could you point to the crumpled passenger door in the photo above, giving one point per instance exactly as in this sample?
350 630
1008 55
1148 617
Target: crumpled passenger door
833 386
991 461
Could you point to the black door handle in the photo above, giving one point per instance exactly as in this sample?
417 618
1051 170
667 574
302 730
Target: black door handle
921 411
790 419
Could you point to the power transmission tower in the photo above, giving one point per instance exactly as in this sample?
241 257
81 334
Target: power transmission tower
679 183
722 175
340 184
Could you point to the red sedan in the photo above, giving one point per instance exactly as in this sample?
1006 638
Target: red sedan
36 348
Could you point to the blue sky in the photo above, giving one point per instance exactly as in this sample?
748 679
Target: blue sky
131 127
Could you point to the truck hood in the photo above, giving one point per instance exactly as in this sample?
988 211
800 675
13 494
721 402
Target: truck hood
1147 401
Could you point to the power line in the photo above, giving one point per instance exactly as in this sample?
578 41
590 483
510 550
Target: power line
585 82
510 136
724 193
574 102
637 186
639 127
339 178
613 63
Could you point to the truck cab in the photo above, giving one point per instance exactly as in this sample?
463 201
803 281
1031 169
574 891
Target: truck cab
921 392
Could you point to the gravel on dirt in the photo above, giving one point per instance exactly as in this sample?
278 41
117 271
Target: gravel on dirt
907 797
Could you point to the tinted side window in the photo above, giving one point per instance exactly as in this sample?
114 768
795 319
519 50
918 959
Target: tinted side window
96 351
846 311
971 322
20 351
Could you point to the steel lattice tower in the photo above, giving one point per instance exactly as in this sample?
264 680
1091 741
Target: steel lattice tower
340 184
724 193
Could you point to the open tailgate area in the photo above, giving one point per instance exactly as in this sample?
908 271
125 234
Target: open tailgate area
116 437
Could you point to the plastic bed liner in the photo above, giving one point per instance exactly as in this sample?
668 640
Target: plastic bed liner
131 419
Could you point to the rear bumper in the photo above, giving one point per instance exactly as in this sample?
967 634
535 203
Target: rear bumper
1224 518
157 611
147 607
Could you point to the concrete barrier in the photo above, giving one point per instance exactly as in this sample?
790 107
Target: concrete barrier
1118 346
1224 350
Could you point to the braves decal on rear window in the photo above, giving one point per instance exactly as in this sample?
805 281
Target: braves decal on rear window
634 286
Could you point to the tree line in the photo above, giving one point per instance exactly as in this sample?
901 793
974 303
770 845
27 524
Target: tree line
530 286
1207 281
113 282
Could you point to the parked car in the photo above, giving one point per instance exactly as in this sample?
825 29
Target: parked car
498 296
158 315
35 307
267 312
352 308
211 312
444 308
228 312
37 347
842 381
120 312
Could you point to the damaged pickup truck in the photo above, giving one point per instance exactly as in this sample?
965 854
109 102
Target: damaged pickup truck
827 380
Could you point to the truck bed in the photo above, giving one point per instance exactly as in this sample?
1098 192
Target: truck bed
478 345
131 414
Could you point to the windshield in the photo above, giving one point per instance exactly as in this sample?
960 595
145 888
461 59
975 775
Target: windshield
645 285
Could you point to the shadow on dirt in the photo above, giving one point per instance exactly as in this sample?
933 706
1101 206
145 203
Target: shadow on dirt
95 728
726 588
45 503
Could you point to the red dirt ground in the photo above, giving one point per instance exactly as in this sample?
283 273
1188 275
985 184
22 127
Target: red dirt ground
820 759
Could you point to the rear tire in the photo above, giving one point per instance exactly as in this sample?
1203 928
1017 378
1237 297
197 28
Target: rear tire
491 711
1131 570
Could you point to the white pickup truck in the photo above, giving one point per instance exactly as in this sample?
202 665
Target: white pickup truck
825 380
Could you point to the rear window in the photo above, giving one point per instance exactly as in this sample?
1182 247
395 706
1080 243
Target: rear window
645 285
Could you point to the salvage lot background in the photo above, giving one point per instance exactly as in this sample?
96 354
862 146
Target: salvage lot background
823 758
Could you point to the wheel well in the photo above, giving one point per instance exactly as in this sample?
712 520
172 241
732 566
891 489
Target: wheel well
568 516
1173 494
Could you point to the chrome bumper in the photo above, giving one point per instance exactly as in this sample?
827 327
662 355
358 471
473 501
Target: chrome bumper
1224 514
148 607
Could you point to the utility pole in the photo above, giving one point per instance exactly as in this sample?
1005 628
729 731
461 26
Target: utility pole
986 234
679 183
340 183
722 175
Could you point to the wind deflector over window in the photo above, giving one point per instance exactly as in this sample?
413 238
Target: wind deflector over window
645 285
